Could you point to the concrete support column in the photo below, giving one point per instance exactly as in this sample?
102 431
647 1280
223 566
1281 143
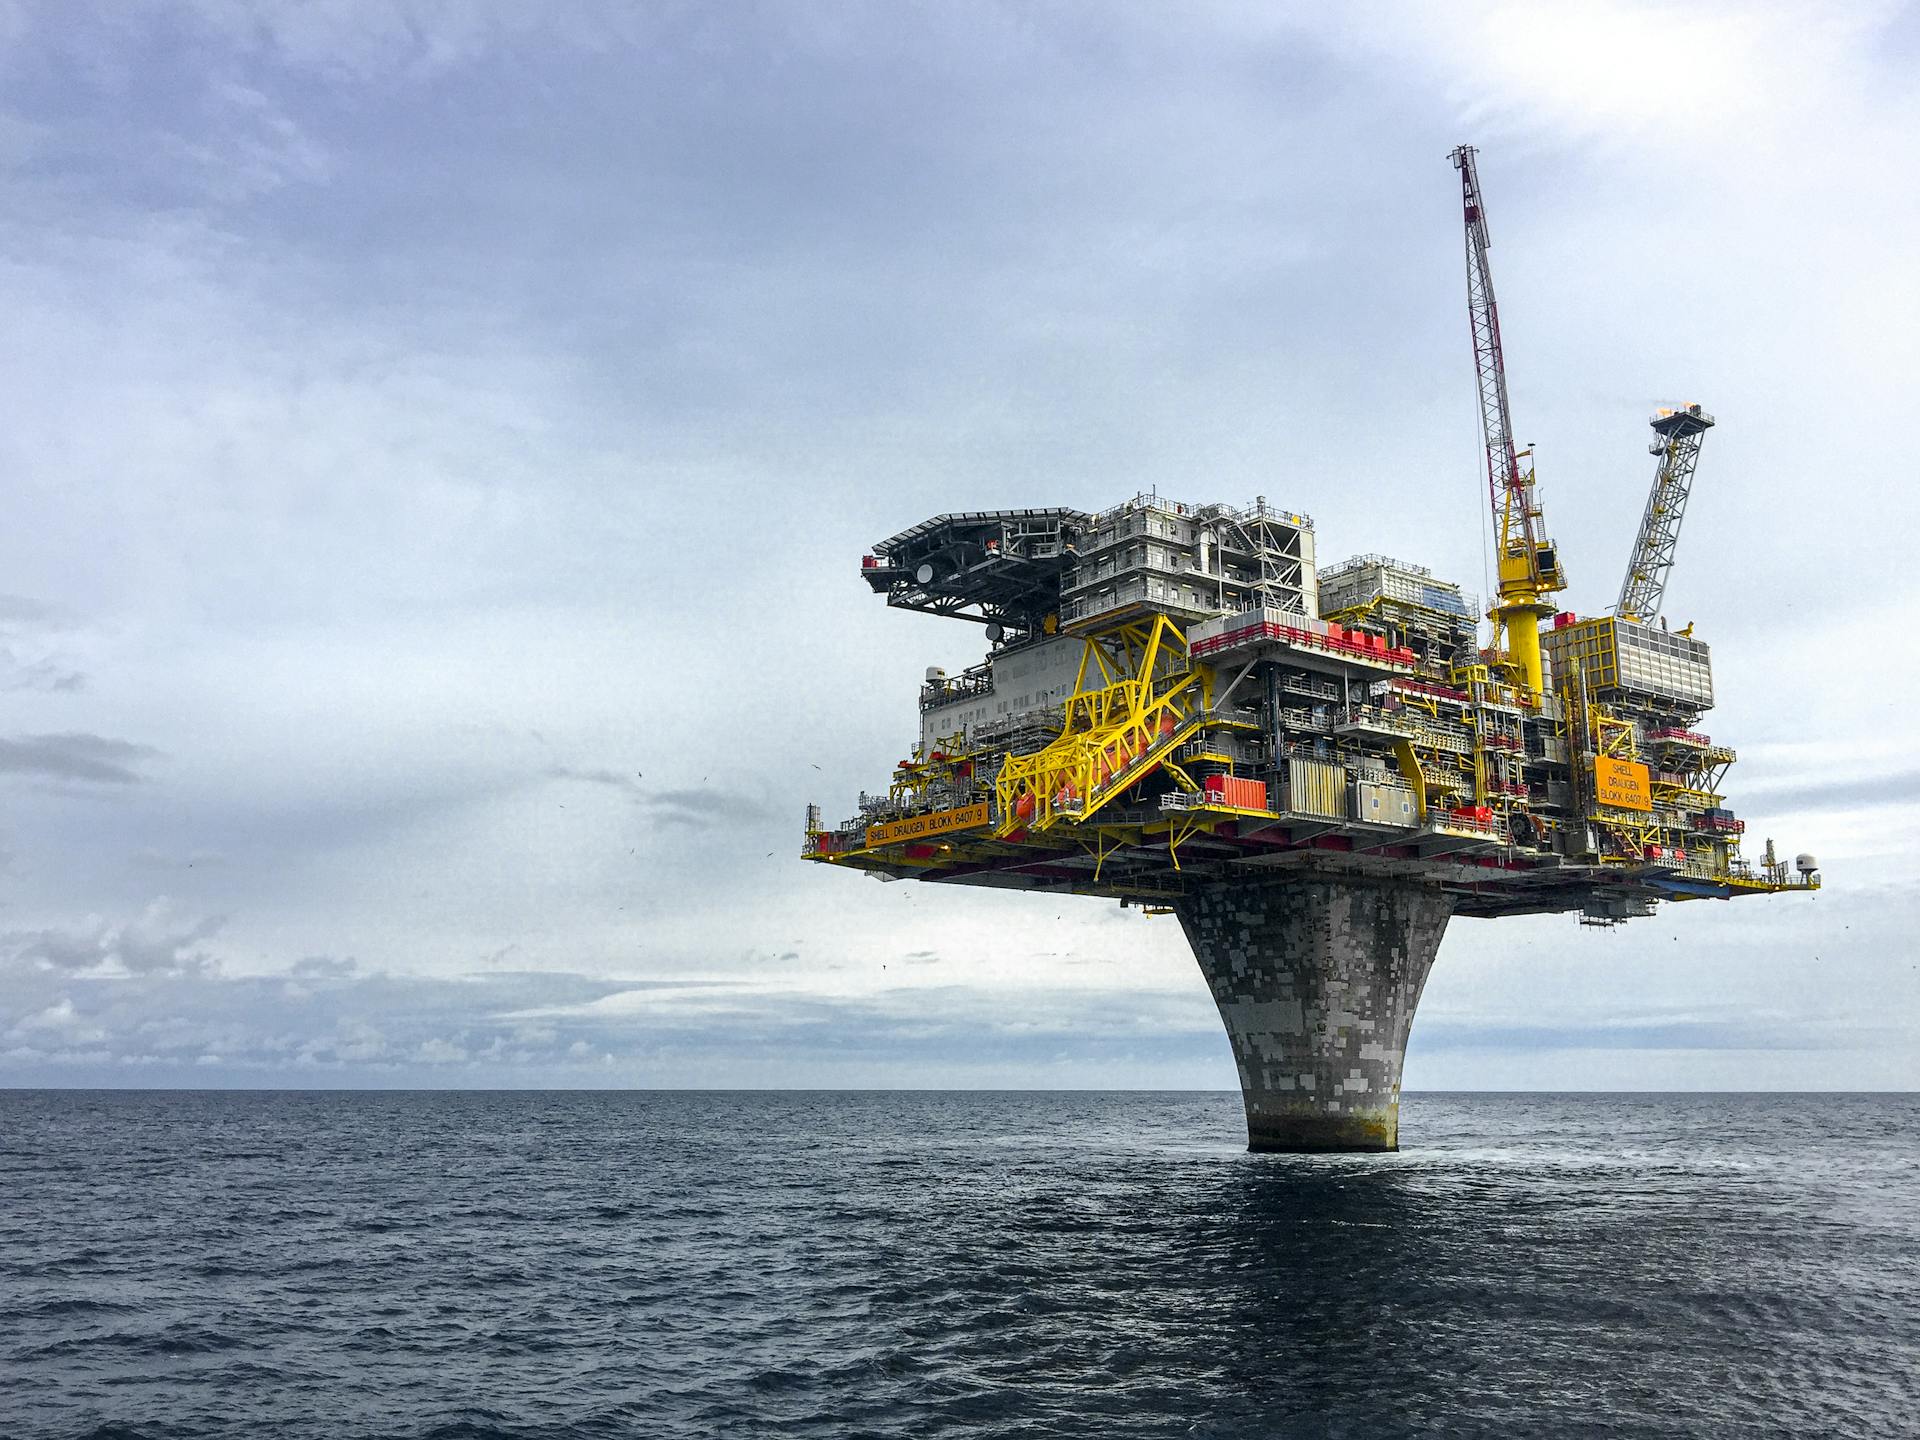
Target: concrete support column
1317 979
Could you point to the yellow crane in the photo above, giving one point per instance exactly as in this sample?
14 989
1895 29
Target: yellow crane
1528 562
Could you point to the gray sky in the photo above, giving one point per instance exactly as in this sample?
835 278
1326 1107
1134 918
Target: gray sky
441 440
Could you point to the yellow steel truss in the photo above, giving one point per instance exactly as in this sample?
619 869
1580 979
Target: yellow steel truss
1136 698
1612 734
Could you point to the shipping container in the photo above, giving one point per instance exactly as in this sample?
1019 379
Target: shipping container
1240 793
1247 794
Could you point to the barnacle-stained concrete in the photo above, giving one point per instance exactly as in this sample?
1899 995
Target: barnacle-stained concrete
1317 979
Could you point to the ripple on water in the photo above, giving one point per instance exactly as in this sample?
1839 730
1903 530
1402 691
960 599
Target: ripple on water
904 1265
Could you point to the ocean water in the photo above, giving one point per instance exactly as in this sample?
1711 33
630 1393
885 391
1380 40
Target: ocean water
913 1264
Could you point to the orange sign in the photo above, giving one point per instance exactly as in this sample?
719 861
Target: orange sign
1621 784
919 827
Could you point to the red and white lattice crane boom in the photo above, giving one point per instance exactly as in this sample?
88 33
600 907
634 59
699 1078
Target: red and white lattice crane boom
1529 564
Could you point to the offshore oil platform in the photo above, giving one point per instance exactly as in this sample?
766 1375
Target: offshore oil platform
1312 768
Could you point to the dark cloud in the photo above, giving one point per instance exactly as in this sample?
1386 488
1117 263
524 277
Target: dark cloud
611 778
153 945
696 807
47 675
702 806
89 759
27 661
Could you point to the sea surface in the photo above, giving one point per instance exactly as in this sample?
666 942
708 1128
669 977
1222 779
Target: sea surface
919 1264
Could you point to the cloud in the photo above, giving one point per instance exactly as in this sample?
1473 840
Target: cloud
1839 793
153 944
702 807
325 967
1743 1028
99 1001
251 146
368 443
615 779
88 759
695 807
48 675
390 43
59 1016
20 610
99 1004
30 657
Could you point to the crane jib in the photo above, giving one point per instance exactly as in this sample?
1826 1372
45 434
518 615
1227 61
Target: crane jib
1529 565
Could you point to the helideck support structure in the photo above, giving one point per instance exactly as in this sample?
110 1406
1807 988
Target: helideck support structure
1317 980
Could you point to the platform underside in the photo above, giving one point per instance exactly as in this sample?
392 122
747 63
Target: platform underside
1483 880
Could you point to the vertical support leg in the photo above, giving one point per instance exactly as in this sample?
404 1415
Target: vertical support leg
1317 978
